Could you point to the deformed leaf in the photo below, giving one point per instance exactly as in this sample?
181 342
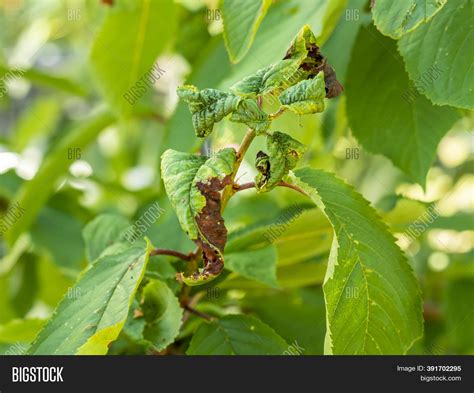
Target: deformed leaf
249 113
268 79
207 107
178 171
283 154
194 187
305 97
208 183
303 60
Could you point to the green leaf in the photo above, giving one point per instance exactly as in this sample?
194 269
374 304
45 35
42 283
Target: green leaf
396 18
305 97
163 314
25 278
88 322
276 31
44 79
283 154
34 193
372 298
178 171
259 264
210 68
207 107
268 79
282 310
127 45
20 330
458 305
102 232
241 22
384 122
434 56
39 120
249 113
286 72
303 60
59 233
236 335
193 185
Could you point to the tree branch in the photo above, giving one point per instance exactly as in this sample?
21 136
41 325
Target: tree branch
246 186
273 116
164 251
192 310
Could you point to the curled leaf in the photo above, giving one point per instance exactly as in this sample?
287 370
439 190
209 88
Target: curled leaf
306 96
249 113
303 60
207 107
178 171
283 154
268 79
194 187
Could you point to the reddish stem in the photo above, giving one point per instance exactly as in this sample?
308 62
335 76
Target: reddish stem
246 186
163 251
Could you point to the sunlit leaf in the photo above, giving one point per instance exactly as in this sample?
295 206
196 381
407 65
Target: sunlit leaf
372 298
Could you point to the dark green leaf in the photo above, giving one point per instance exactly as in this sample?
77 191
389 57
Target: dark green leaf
236 335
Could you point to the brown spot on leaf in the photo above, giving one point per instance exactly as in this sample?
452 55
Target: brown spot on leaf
213 233
313 64
333 87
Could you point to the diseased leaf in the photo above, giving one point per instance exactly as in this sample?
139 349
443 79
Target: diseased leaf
88 322
283 154
249 113
210 180
193 185
372 298
207 107
102 232
266 80
382 118
162 313
305 97
241 22
276 31
303 60
178 171
438 55
236 335
396 18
